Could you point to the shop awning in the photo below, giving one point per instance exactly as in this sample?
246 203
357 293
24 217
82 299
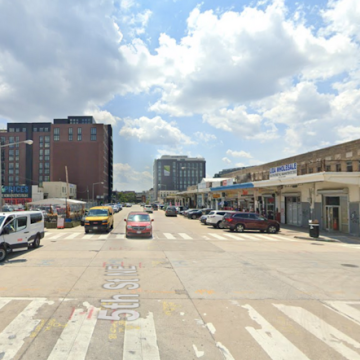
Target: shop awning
248 185
57 201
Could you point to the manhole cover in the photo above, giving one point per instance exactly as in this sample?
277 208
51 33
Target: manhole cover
350 265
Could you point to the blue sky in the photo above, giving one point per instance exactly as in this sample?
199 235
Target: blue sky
239 83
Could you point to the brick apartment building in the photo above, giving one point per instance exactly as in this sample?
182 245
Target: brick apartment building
78 143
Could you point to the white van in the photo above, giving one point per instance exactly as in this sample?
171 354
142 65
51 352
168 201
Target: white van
20 230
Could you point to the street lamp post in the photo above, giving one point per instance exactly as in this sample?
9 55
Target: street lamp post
101 182
27 142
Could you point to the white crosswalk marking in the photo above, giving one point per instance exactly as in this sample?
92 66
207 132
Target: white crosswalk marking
249 237
13 336
233 236
264 237
345 309
216 236
87 236
4 302
140 342
322 330
74 341
185 236
104 236
120 236
276 345
56 236
73 236
169 236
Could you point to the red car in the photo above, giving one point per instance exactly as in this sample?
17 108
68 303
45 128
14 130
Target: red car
138 223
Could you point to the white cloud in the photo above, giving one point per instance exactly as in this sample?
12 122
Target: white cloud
127 4
154 131
127 178
348 133
242 153
226 160
103 116
240 164
204 137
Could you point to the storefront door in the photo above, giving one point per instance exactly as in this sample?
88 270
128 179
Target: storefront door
293 211
332 218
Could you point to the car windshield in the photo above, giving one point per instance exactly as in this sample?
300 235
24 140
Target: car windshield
139 218
97 212
2 220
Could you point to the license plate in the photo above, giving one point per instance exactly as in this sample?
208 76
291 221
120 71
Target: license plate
95 227
138 232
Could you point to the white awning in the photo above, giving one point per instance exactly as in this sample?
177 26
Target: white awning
57 201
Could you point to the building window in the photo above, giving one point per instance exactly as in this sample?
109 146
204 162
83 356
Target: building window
16 180
17 155
47 155
328 168
17 141
47 171
47 141
11 129
56 134
40 167
41 152
11 155
349 166
11 141
11 180
338 167
46 178
311 170
40 179
79 134
23 129
303 171
47 165
70 134
93 134
41 140
2 140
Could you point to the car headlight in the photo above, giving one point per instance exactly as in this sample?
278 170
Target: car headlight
148 226
129 227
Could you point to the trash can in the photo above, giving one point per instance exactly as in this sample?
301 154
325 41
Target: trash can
314 228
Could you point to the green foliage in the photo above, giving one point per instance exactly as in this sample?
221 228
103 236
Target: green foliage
126 197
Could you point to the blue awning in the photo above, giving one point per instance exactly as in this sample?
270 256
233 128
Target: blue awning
248 185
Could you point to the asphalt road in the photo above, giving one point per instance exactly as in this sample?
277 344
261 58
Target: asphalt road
191 292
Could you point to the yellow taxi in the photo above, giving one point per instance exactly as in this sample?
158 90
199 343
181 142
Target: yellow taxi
99 218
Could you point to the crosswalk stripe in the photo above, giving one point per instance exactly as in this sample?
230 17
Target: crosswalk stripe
233 236
264 237
12 338
275 344
121 236
74 340
169 236
53 237
322 330
185 236
248 237
72 236
104 236
140 342
87 236
4 302
345 309
216 236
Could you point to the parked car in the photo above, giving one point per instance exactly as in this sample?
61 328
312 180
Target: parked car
171 211
215 218
187 211
82 221
241 221
148 209
138 224
195 214
203 218
155 207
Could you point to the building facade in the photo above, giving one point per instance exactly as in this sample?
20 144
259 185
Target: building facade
75 150
176 173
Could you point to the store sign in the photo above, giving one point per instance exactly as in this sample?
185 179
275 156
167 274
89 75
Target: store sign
216 196
283 171
16 191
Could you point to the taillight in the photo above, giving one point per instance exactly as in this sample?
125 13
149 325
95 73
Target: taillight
229 219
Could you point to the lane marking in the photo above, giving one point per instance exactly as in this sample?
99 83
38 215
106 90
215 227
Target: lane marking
344 308
322 330
216 236
12 338
211 327
185 236
87 236
103 236
233 236
275 344
226 353
169 236
53 237
197 352
4 302
74 340
140 342
72 236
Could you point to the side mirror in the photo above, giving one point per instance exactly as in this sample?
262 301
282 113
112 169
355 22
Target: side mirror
5 231
125 220
152 219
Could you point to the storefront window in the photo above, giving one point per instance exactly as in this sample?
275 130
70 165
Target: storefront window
332 200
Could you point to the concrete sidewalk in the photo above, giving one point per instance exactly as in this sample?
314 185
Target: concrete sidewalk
303 233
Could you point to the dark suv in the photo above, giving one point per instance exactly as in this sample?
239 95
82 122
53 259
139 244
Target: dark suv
241 221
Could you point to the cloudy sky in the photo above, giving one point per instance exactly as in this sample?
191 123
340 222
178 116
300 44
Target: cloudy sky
237 82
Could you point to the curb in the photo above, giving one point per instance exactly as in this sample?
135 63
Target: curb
316 239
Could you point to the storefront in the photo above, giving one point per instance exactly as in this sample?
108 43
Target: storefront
293 211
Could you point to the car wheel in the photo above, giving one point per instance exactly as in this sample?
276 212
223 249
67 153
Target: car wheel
36 242
86 231
219 225
272 229
194 217
3 254
240 228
